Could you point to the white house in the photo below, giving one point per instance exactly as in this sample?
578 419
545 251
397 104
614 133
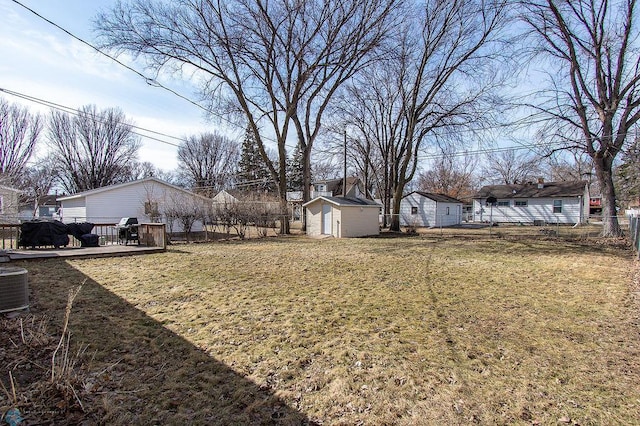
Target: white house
9 204
342 217
533 203
149 200
425 209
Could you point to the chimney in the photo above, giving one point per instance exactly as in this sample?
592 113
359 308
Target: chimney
540 183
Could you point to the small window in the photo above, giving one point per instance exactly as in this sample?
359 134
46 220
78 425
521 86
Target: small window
414 210
521 203
557 206
447 211
503 203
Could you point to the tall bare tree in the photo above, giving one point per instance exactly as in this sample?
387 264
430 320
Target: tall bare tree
276 63
37 181
208 162
19 132
93 148
451 175
441 79
512 167
592 102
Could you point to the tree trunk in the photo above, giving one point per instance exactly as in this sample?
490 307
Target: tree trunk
395 216
610 224
306 184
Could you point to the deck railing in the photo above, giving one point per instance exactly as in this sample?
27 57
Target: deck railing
150 235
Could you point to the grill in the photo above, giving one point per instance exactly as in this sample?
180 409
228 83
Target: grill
128 230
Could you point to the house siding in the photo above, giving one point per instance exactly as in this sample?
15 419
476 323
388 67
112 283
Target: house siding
112 205
430 213
356 221
10 207
346 221
74 210
537 209
314 219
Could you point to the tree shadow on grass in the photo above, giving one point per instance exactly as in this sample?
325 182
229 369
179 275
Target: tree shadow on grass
142 373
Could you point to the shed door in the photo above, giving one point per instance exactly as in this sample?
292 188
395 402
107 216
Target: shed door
326 219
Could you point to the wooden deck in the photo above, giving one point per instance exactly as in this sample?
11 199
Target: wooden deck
77 252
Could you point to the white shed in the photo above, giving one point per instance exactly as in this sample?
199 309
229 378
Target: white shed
425 209
149 200
342 217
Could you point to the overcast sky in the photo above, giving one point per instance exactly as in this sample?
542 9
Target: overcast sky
40 60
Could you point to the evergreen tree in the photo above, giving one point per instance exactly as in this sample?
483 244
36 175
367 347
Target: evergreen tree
627 177
253 172
295 170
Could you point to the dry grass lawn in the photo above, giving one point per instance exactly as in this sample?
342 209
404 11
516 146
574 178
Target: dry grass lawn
420 330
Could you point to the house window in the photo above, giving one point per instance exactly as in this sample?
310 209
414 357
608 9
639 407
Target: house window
557 206
503 203
447 211
521 203
414 210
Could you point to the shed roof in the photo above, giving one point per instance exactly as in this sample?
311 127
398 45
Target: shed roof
532 190
438 198
345 201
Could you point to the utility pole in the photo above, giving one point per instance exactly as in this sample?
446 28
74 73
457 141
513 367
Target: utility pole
344 181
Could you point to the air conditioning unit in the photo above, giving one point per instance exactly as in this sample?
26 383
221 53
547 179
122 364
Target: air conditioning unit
14 289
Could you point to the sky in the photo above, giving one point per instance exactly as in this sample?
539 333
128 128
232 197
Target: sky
41 61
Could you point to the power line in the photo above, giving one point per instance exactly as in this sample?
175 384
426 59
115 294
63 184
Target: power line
150 81
75 112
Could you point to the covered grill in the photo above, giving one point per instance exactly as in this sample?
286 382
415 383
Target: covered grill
128 230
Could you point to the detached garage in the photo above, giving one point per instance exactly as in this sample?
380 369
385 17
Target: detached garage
425 209
342 217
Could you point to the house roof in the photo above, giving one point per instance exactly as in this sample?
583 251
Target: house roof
531 190
438 198
345 201
335 185
123 185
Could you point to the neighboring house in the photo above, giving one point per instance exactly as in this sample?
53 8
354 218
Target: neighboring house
334 188
531 203
249 203
224 197
9 204
44 208
424 209
325 188
149 200
342 217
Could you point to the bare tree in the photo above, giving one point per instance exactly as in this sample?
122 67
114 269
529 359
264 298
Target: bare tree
208 162
574 166
451 175
19 132
442 79
276 63
93 148
512 167
591 52
37 181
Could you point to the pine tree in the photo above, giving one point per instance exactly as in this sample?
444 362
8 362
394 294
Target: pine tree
295 176
253 172
627 177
